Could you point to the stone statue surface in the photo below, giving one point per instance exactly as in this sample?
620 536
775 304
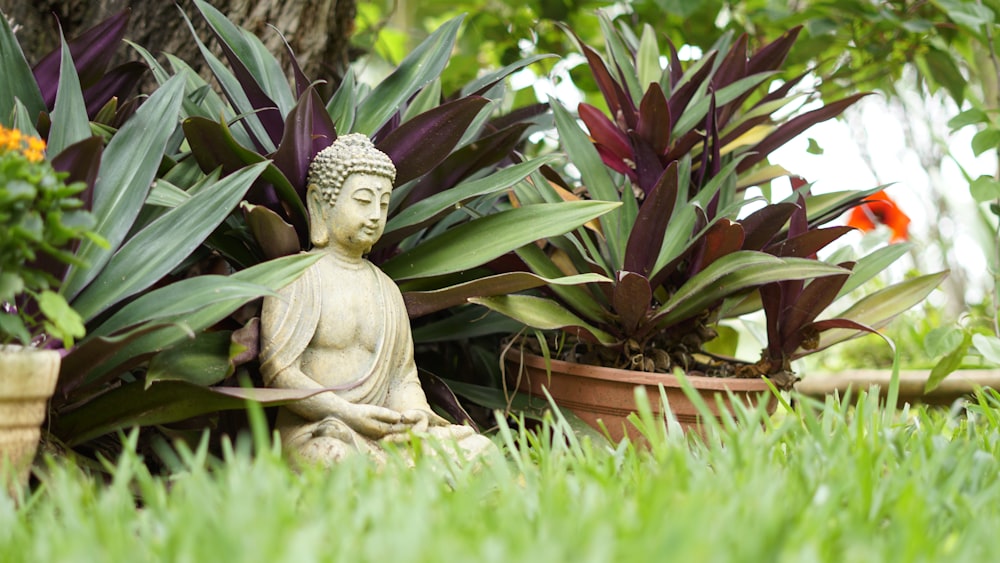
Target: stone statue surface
342 326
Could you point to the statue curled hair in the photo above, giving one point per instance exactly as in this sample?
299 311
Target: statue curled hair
349 154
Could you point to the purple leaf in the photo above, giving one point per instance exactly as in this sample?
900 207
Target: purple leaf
655 123
617 164
439 394
519 115
790 129
604 132
116 83
248 338
703 172
424 141
420 303
680 97
646 238
676 71
213 146
648 167
620 104
267 110
301 82
772 56
808 243
82 161
770 298
723 237
830 324
77 365
389 127
308 129
92 51
812 301
484 152
733 66
761 225
632 297
749 124
798 224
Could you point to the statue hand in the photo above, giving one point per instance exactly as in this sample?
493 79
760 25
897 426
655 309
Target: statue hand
373 421
415 420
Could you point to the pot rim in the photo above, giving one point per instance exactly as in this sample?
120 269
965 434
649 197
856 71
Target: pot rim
603 373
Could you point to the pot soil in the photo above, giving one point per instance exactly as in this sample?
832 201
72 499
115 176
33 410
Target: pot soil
27 380
606 395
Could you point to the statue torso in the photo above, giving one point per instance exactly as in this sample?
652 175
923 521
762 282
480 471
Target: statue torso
351 324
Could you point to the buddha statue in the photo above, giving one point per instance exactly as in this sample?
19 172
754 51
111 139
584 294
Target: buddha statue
342 326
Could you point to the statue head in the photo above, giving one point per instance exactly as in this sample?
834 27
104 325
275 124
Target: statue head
347 194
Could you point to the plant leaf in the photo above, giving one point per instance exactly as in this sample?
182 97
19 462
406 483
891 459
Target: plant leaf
543 314
203 360
307 130
128 166
92 51
69 116
870 265
433 207
160 247
632 297
419 68
420 144
646 237
791 128
808 243
988 346
200 310
420 303
877 309
162 403
258 72
213 145
463 162
275 237
733 273
477 242
948 364
18 81
655 120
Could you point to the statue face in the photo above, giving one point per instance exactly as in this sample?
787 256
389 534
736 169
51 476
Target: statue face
358 217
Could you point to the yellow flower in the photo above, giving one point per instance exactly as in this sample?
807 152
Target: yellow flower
36 149
10 139
13 140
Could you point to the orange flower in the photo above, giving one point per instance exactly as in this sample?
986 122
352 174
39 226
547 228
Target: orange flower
12 140
879 209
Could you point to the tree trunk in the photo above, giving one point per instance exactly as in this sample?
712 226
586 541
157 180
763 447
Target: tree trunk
318 31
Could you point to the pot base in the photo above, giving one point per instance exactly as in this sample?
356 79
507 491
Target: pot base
605 395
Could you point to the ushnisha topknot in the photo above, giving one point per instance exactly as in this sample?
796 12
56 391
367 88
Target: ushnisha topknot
350 154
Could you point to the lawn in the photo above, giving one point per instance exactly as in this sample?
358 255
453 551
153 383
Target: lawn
841 481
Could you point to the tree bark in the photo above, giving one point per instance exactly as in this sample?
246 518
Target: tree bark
318 31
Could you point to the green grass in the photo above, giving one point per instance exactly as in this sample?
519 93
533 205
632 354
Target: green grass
836 482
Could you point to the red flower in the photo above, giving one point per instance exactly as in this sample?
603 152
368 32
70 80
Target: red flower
880 209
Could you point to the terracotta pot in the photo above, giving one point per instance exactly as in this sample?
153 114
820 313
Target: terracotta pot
27 379
596 393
